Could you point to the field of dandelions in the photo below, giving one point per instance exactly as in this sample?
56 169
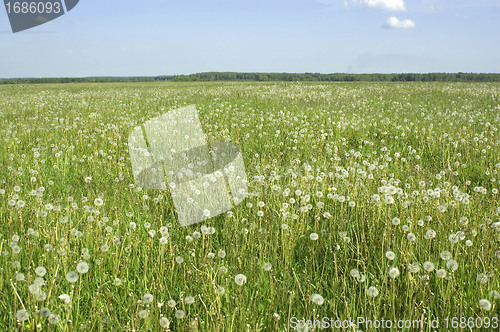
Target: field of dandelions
366 200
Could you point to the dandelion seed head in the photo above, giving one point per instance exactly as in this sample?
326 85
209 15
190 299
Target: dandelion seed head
41 271
179 314
390 255
394 272
317 299
82 267
72 276
372 291
485 304
220 290
22 315
240 279
44 312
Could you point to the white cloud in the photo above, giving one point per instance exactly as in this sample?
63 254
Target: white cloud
394 23
392 5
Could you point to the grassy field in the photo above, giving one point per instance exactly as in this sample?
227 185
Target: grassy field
368 200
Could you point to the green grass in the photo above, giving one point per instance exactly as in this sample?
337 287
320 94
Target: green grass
336 143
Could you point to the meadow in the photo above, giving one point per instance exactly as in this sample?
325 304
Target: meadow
375 200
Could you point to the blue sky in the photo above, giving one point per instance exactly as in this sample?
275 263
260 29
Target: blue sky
157 37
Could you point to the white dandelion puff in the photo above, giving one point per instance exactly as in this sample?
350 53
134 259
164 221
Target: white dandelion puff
240 279
317 299
40 271
394 272
72 276
82 267
372 291
485 304
390 255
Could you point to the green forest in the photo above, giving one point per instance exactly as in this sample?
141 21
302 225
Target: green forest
266 77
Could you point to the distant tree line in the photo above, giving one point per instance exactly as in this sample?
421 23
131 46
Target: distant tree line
339 77
264 77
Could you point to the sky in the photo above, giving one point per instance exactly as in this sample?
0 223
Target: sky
170 37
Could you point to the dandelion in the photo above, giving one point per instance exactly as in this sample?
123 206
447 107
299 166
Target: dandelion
355 273
411 237
445 255
34 289
117 282
240 279
164 322
441 208
441 273
20 277
390 255
482 278
44 312
372 291
452 265
221 253
179 314
267 266
396 221
453 238
65 298
147 298
485 304
40 271
171 303
22 315
82 267
98 202
220 290
313 236
317 299
430 234
494 294
54 319
414 267
189 300
222 270
72 276
179 259
143 314
428 266
394 272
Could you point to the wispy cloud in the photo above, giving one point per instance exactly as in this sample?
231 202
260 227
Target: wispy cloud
395 23
391 5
